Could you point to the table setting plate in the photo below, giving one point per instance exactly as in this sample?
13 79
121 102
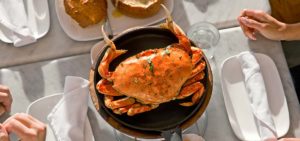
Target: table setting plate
237 103
118 24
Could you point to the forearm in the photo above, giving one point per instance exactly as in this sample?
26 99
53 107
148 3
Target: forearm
292 32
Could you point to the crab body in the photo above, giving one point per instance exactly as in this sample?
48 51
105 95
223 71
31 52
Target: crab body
150 78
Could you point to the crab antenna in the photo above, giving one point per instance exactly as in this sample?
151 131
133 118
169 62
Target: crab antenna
106 39
168 14
169 19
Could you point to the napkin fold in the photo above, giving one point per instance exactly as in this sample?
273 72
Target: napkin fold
257 95
13 22
68 119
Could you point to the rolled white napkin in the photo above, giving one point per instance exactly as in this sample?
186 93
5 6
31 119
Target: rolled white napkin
257 95
13 22
68 119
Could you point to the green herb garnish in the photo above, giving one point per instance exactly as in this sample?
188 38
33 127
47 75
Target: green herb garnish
151 64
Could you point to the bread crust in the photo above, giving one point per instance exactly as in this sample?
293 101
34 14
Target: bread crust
138 11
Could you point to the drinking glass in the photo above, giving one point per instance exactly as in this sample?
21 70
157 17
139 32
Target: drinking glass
206 36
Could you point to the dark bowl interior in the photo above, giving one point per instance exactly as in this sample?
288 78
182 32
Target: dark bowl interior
167 115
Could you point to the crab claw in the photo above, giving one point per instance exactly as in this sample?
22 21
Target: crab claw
184 42
110 55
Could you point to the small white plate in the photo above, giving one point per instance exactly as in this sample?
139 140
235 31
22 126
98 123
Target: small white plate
38 19
118 24
237 103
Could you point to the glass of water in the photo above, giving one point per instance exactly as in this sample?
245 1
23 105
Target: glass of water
206 36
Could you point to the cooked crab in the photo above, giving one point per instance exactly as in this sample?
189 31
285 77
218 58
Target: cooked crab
153 76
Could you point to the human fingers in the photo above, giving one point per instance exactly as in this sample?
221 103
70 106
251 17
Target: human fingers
22 131
2 109
6 100
3 134
34 124
290 139
252 23
5 97
31 122
249 32
258 15
26 128
4 89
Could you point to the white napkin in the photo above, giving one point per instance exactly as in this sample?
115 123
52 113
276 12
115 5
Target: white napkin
13 22
68 119
257 95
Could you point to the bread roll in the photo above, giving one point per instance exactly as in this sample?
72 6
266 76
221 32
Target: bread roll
138 8
86 12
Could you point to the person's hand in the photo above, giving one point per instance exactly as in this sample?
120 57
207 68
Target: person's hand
26 127
290 139
5 99
3 134
252 21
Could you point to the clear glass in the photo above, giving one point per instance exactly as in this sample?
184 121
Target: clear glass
198 128
206 36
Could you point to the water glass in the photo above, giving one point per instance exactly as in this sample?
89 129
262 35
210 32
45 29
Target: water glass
206 36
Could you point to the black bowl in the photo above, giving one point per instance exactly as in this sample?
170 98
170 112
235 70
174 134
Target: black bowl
168 115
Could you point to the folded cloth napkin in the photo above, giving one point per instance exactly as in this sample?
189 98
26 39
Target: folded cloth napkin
68 119
13 22
257 95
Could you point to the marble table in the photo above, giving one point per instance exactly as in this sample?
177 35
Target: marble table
32 81
56 44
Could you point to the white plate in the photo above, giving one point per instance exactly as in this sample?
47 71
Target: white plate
237 104
118 24
38 18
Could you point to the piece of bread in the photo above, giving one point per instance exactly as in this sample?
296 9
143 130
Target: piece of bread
86 12
138 8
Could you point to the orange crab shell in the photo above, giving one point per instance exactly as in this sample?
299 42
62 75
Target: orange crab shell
153 76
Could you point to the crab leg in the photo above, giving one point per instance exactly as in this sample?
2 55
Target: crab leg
114 104
196 97
198 68
196 78
105 87
122 110
139 108
184 42
189 90
197 55
110 55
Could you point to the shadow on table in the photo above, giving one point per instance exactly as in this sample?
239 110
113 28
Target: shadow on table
32 81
